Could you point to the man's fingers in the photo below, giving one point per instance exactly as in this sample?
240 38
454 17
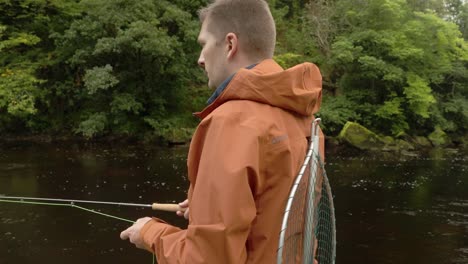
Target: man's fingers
133 233
128 234
184 203
132 239
142 220
124 234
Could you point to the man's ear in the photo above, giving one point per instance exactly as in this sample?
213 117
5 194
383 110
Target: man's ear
232 44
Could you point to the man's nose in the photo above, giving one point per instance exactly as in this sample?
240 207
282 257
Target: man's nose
201 61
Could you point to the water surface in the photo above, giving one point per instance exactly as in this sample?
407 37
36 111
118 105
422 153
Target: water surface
390 209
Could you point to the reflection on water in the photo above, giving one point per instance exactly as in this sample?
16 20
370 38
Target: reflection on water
50 234
403 209
389 210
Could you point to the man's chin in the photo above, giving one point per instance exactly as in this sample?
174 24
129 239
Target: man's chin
211 86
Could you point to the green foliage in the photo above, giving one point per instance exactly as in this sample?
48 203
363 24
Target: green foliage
125 103
94 125
418 95
287 60
18 83
462 20
25 53
17 39
344 52
390 109
292 30
99 78
438 137
391 116
404 60
335 112
134 56
18 92
100 67
171 129
452 115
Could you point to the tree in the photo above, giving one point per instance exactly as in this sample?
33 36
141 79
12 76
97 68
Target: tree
394 63
133 59
24 49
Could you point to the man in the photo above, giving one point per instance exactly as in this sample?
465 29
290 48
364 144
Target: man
248 147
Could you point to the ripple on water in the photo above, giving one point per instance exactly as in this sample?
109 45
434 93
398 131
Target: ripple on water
7 221
461 203
14 166
463 257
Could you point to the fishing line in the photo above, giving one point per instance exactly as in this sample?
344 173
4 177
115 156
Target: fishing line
73 206
69 205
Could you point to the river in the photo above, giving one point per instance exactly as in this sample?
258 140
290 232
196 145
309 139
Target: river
406 208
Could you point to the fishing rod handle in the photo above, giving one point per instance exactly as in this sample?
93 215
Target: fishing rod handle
167 207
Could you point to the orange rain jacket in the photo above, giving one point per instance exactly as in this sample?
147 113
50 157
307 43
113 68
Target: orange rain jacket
242 162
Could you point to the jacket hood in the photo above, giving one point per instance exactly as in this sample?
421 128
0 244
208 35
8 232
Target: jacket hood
297 89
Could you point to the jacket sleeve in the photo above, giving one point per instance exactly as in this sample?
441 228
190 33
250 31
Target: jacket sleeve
222 205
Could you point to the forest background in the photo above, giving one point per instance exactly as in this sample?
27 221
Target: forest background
100 69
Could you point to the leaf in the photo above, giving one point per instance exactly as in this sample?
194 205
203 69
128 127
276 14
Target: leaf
94 125
419 95
125 102
99 78
18 92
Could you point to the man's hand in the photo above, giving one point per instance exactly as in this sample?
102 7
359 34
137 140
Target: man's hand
133 233
184 204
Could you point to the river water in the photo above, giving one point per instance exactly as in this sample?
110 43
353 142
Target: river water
406 208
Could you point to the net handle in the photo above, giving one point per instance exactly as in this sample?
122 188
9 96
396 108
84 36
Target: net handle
309 234
310 152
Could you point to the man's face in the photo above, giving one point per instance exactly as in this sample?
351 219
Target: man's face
213 57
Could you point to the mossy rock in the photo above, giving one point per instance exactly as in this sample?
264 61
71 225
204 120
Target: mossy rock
439 138
422 141
403 136
398 145
388 140
360 137
464 141
404 145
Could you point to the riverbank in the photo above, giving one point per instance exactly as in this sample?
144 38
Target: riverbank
352 135
337 145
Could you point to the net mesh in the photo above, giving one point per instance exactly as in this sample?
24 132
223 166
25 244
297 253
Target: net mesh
325 227
309 235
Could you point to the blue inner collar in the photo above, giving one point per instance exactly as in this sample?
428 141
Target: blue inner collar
224 84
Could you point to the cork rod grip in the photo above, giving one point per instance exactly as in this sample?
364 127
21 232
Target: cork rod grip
167 207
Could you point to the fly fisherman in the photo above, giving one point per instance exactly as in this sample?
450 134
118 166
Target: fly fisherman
248 147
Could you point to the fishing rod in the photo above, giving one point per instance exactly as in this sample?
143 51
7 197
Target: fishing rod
73 202
155 206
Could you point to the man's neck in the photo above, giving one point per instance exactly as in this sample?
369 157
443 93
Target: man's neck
241 63
224 84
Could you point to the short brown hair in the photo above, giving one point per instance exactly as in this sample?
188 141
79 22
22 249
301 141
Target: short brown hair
250 20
